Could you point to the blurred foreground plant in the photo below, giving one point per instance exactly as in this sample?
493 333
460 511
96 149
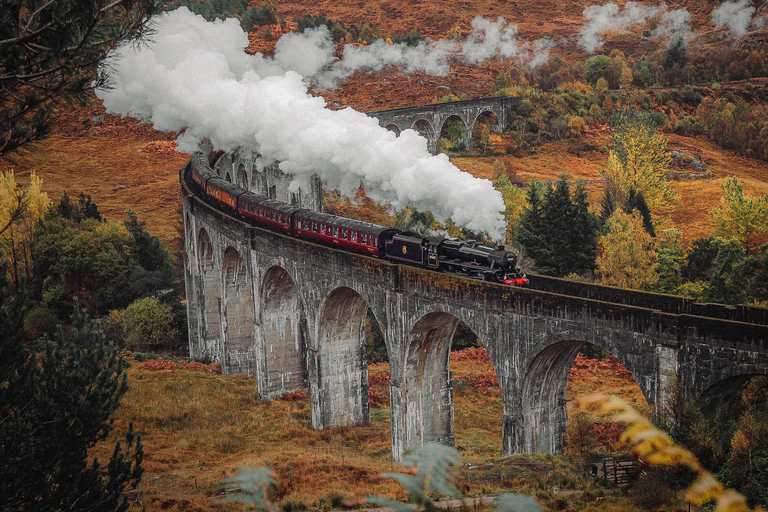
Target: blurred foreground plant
434 470
655 448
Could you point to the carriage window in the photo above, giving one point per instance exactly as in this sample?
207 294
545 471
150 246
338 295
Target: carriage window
354 236
336 232
363 238
373 241
306 224
314 227
344 233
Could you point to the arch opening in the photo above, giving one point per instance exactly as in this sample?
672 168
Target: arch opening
454 136
211 297
718 399
341 397
239 313
284 330
485 124
559 374
393 128
450 397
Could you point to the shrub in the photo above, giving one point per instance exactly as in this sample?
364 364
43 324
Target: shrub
41 321
148 323
689 96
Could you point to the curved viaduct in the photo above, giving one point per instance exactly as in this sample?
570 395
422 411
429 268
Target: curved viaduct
292 313
429 120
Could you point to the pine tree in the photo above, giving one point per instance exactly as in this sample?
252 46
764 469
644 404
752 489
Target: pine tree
55 406
636 202
557 213
531 233
558 231
583 234
49 53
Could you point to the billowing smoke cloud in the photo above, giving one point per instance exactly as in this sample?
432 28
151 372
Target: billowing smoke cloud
609 17
737 15
196 77
488 40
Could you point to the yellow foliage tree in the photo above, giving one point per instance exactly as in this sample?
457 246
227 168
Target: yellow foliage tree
626 255
638 160
744 218
20 210
626 78
515 201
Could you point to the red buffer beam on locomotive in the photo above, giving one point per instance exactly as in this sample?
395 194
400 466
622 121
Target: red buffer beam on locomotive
463 257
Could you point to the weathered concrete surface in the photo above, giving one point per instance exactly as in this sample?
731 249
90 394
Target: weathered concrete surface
308 308
429 120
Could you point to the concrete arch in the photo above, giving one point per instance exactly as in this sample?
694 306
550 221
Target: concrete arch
338 369
543 396
428 405
210 302
284 330
445 126
393 128
239 329
493 123
718 392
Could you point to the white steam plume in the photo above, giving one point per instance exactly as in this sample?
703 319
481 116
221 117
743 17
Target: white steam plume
737 15
196 77
488 40
608 17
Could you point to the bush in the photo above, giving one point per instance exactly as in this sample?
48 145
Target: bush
41 321
148 323
689 96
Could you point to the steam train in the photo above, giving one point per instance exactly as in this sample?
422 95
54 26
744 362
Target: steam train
467 258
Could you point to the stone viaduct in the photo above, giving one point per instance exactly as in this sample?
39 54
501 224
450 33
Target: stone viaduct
292 313
429 120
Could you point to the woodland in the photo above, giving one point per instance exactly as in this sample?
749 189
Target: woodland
637 157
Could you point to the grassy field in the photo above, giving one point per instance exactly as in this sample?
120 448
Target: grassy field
198 427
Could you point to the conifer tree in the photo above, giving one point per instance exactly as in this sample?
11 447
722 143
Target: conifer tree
49 53
55 406
636 202
583 234
531 235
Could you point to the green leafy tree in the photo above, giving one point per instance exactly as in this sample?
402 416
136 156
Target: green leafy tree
55 406
597 67
148 324
50 52
699 260
670 258
732 271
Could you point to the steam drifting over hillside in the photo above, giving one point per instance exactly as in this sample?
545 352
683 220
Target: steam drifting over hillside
196 77
737 15
608 17
488 40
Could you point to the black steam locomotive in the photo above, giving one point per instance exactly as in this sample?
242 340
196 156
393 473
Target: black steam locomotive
467 258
